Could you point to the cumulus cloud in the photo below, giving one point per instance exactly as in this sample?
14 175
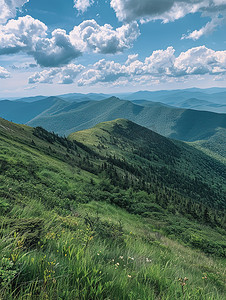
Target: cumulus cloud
30 35
103 71
83 5
171 10
58 50
21 35
160 65
64 75
9 8
200 61
104 39
4 73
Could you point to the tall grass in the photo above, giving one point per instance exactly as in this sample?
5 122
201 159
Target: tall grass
70 260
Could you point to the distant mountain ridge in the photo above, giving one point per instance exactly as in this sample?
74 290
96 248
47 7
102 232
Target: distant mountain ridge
22 112
62 117
212 99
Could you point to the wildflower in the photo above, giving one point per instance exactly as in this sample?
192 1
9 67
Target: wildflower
65 254
129 276
121 257
183 283
148 260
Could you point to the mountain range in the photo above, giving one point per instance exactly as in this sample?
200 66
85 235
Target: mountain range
212 99
63 117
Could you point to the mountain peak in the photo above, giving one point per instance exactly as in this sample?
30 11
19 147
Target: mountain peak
121 135
113 98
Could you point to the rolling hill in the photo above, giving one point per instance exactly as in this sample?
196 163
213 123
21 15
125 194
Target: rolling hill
212 99
173 97
22 112
192 103
62 117
186 125
143 148
114 210
205 100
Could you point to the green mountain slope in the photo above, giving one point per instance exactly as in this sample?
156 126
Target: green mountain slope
187 125
22 112
103 215
64 118
215 145
154 155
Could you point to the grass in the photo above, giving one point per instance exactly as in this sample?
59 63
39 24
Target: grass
62 236
72 261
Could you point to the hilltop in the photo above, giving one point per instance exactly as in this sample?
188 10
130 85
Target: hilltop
63 117
105 211
187 125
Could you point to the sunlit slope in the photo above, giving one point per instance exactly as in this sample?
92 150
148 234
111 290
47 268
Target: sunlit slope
175 163
117 211
187 125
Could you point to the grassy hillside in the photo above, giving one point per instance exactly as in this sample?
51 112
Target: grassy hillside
152 153
63 117
80 221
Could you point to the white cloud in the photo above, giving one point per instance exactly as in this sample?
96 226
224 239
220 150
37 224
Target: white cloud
200 61
64 75
104 39
171 10
9 8
166 10
4 73
103 71
30 35
207 29
21 35
83 5
57 50
161 65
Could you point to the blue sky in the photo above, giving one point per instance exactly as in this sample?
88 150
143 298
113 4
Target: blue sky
57 46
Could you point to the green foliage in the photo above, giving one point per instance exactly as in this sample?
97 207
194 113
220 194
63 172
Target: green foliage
79 221
8 271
